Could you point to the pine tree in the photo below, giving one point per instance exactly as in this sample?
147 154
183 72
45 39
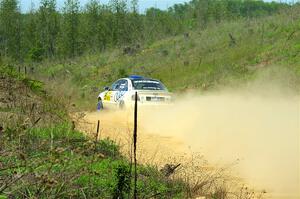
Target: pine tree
120 26
31 49
134 6
136 23
70 30
201 8
48 26
10 29
93 26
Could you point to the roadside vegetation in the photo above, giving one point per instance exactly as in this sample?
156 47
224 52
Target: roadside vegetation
57 162
43 156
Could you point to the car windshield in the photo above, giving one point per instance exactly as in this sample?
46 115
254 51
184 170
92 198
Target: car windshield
145 84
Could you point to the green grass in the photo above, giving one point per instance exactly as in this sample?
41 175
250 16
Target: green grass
62 163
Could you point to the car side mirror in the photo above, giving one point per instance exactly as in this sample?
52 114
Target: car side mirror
106 88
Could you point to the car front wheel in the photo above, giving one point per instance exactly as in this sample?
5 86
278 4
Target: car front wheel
99 104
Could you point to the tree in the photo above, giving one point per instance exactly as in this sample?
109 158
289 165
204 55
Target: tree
201 8
135 6
10 29
120 26
48 26
95 36
30 36
70 30
135 23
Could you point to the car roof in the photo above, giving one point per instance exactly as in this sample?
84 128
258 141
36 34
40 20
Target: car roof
137 77
134 77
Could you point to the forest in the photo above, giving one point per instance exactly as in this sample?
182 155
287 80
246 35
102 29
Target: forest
49 32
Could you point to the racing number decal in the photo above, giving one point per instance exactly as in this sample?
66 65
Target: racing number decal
107 96
119 95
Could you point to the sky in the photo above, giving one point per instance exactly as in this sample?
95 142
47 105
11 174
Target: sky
143 4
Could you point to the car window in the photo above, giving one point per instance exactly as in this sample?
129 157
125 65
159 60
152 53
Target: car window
123 85
146 84
115 86
120 85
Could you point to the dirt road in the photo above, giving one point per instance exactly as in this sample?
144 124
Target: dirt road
118 126
260 134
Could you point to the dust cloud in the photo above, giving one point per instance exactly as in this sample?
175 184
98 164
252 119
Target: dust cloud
254 125
259 129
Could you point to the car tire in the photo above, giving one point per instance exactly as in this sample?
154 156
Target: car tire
99 104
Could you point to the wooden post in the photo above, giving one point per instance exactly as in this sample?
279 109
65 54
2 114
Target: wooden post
98 128
135 145
97 136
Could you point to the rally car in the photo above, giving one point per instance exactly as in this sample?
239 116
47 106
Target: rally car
121 94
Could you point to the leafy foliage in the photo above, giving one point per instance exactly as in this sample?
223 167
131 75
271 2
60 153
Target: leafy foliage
34 85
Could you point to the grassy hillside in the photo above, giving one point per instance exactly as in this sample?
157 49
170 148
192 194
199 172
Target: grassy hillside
223 54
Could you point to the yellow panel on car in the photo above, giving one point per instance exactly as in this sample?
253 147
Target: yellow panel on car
107 96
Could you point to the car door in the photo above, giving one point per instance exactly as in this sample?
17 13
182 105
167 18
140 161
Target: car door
122 89
109 97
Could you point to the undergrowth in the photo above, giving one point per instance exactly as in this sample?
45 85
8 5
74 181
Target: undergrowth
58 162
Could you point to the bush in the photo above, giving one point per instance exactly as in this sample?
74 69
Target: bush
108 148
34 85
36 54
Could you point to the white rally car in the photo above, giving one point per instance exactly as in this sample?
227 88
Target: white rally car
121 94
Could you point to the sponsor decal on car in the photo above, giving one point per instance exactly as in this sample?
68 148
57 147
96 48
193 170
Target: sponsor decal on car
107 96
119 95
